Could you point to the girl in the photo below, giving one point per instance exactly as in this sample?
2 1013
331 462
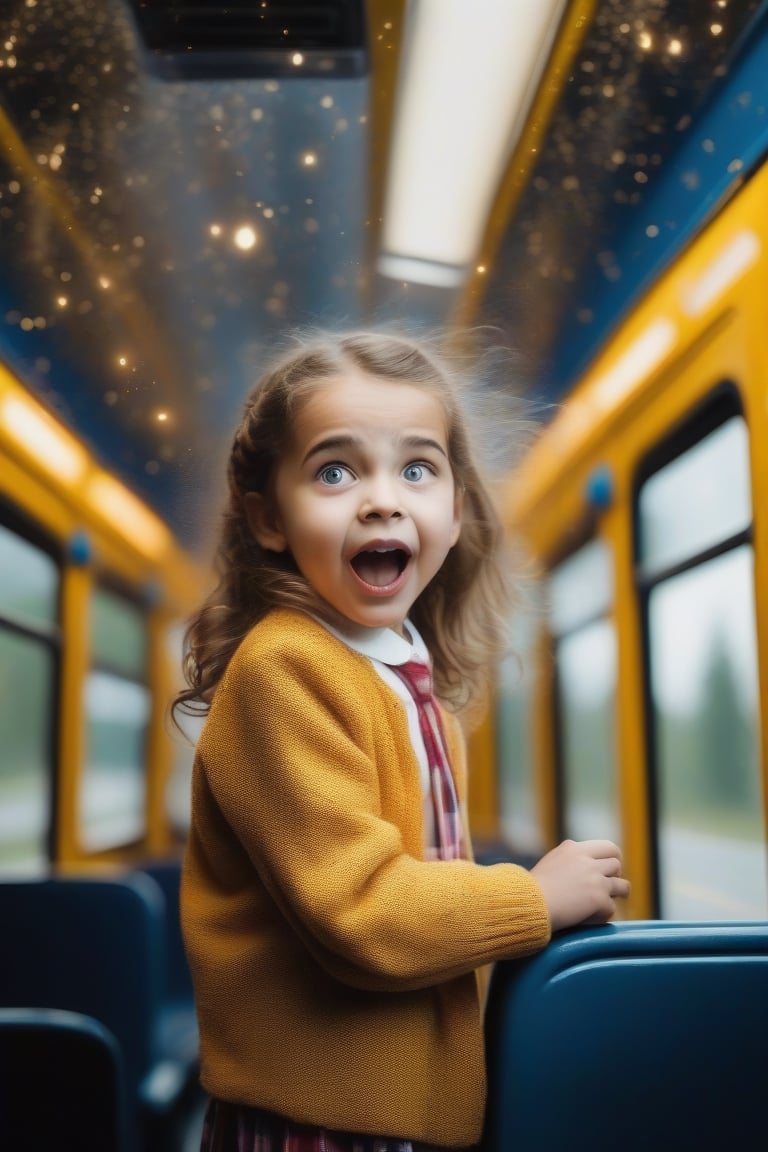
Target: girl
334 920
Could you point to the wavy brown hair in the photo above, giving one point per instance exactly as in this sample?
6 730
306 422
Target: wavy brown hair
462 613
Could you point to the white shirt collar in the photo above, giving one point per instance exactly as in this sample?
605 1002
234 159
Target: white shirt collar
382 644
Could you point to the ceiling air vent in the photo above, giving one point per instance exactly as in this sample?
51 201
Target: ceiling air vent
215 40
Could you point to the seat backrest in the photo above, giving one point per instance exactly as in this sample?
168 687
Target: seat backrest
62 1083
167 874
90 945
632 1036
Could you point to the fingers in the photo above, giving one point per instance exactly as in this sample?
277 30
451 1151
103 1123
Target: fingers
581 881
601 849
610 865
620 888
606 853
607 907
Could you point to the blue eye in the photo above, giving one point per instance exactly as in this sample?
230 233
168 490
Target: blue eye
332 474
413 472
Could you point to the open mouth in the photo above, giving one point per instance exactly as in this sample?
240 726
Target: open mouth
380 567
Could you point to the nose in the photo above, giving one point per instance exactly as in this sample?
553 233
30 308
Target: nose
380 500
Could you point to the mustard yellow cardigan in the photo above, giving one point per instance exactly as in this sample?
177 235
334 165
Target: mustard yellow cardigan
334 968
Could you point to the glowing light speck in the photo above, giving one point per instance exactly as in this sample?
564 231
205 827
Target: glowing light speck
309 159
245 238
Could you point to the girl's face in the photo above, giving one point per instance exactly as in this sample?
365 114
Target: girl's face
364 497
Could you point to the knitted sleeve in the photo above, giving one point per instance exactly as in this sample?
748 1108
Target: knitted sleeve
299 756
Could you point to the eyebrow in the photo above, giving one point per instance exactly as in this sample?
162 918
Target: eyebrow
333 443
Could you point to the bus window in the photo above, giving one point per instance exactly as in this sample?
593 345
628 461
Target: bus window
29 641
117 707
581 596
696 566
519 817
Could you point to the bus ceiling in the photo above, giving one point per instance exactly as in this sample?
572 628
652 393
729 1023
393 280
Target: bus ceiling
250 39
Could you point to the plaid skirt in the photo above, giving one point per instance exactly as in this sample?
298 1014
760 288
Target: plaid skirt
237 1128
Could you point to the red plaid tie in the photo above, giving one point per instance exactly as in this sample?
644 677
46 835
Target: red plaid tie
418 679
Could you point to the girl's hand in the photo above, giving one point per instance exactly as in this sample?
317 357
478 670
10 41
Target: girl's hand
581 880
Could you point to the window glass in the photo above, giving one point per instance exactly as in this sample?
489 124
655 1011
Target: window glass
586 667
26 720
29 604
519 815
119 634
114 789
581 587
112 804
29 581
585 681
703 665
699 499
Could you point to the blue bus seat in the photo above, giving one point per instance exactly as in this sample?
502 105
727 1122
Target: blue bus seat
62 1083
97 945
167 874
630 1037
178 1019
500 852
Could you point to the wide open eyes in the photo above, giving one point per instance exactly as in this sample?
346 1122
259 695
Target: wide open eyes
333 475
